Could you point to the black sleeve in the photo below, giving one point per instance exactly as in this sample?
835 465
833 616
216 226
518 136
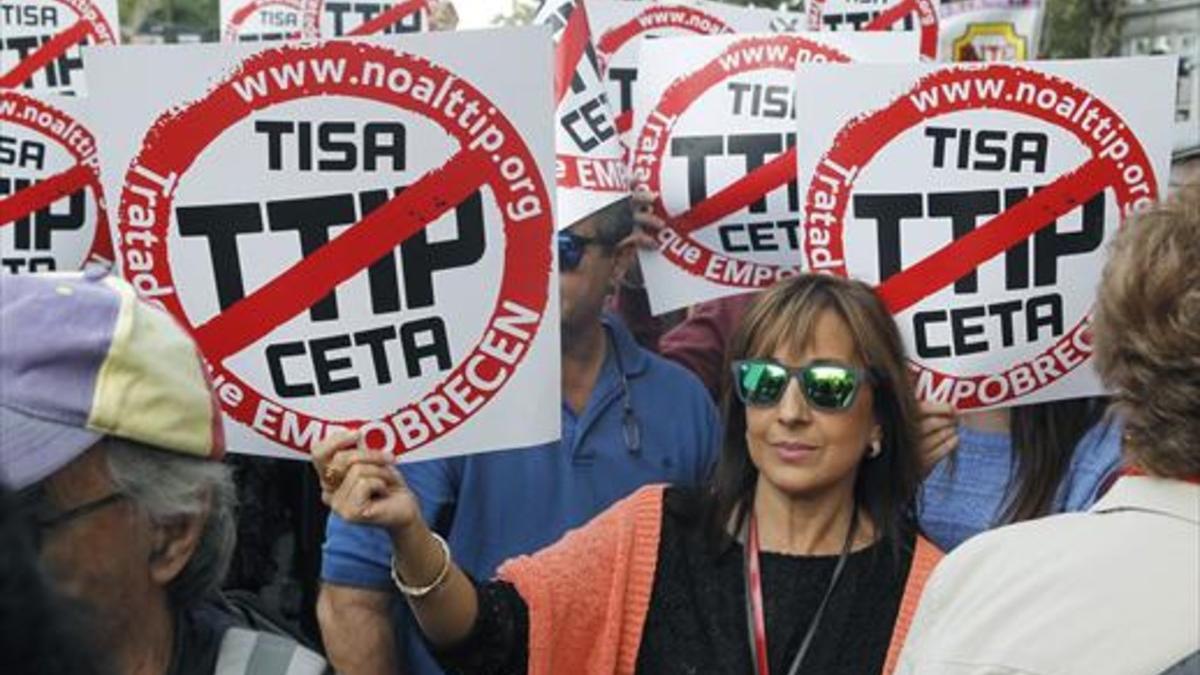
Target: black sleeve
498 643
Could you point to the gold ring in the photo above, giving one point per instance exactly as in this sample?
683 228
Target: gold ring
332 475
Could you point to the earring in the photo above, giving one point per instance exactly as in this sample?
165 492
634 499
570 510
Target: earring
876 449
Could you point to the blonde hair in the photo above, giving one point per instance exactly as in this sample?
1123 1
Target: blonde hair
1147 335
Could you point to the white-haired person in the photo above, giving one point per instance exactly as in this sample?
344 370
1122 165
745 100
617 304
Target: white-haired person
111 436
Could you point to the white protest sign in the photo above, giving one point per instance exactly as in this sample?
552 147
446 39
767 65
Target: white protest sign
355 18
40 42
619 28
990 30
269 20
920 16
357 234
716 128
52 214
980 199
590 170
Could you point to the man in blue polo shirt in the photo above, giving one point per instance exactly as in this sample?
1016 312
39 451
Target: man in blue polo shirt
628 418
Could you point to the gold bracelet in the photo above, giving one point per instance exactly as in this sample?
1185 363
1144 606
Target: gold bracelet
422 591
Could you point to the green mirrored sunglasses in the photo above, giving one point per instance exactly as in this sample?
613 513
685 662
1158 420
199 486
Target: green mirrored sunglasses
827 385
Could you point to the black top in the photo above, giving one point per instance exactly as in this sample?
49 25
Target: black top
696 622
198 634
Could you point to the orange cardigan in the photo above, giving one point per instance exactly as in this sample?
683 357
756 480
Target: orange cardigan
588 594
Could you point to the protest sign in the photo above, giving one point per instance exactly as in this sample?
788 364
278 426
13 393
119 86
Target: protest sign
990 30
52 214
357 234
590 165
346 18
980 199
259 20
619 28
269 20
920 16
40 42
716 127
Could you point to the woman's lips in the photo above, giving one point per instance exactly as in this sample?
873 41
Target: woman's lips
795 452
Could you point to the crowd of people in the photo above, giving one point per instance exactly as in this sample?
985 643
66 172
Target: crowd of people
750 486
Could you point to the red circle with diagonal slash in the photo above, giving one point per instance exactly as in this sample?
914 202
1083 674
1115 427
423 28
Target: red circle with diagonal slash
91 23
245 11
653 19
178 137
89 14
57 125
675 101
862 139
925 10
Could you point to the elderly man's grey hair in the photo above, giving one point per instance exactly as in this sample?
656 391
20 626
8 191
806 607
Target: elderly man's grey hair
168 486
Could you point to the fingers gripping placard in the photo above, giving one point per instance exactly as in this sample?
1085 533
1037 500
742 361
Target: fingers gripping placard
40 41
357 236
716 132
980 200
52 214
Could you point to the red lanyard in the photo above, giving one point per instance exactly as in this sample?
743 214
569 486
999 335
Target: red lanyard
754 601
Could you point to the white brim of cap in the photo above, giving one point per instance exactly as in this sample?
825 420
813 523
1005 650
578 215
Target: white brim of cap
33 448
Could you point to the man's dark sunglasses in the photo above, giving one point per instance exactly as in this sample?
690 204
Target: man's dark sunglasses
572 247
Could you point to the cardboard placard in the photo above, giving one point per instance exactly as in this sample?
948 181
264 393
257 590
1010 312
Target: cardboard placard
990 30
357 234
619 27
343 18
980 198
590 171
716 127
40 42
52 214
920 16
270 20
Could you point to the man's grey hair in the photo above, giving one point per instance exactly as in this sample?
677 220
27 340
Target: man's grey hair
168 486
613 222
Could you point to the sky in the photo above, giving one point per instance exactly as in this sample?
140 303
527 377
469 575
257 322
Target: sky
479 13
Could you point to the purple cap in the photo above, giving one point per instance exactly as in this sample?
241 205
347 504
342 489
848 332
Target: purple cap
81 357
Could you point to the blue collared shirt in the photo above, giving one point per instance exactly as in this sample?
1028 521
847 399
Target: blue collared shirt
496 505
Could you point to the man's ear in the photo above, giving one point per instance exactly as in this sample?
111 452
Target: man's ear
174 544
624 257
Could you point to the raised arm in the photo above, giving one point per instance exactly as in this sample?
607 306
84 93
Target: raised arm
356 627
363 487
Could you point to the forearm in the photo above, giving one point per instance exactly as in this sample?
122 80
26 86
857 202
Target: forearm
447 613
356 627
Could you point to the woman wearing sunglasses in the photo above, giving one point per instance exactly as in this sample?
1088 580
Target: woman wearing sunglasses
800 556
